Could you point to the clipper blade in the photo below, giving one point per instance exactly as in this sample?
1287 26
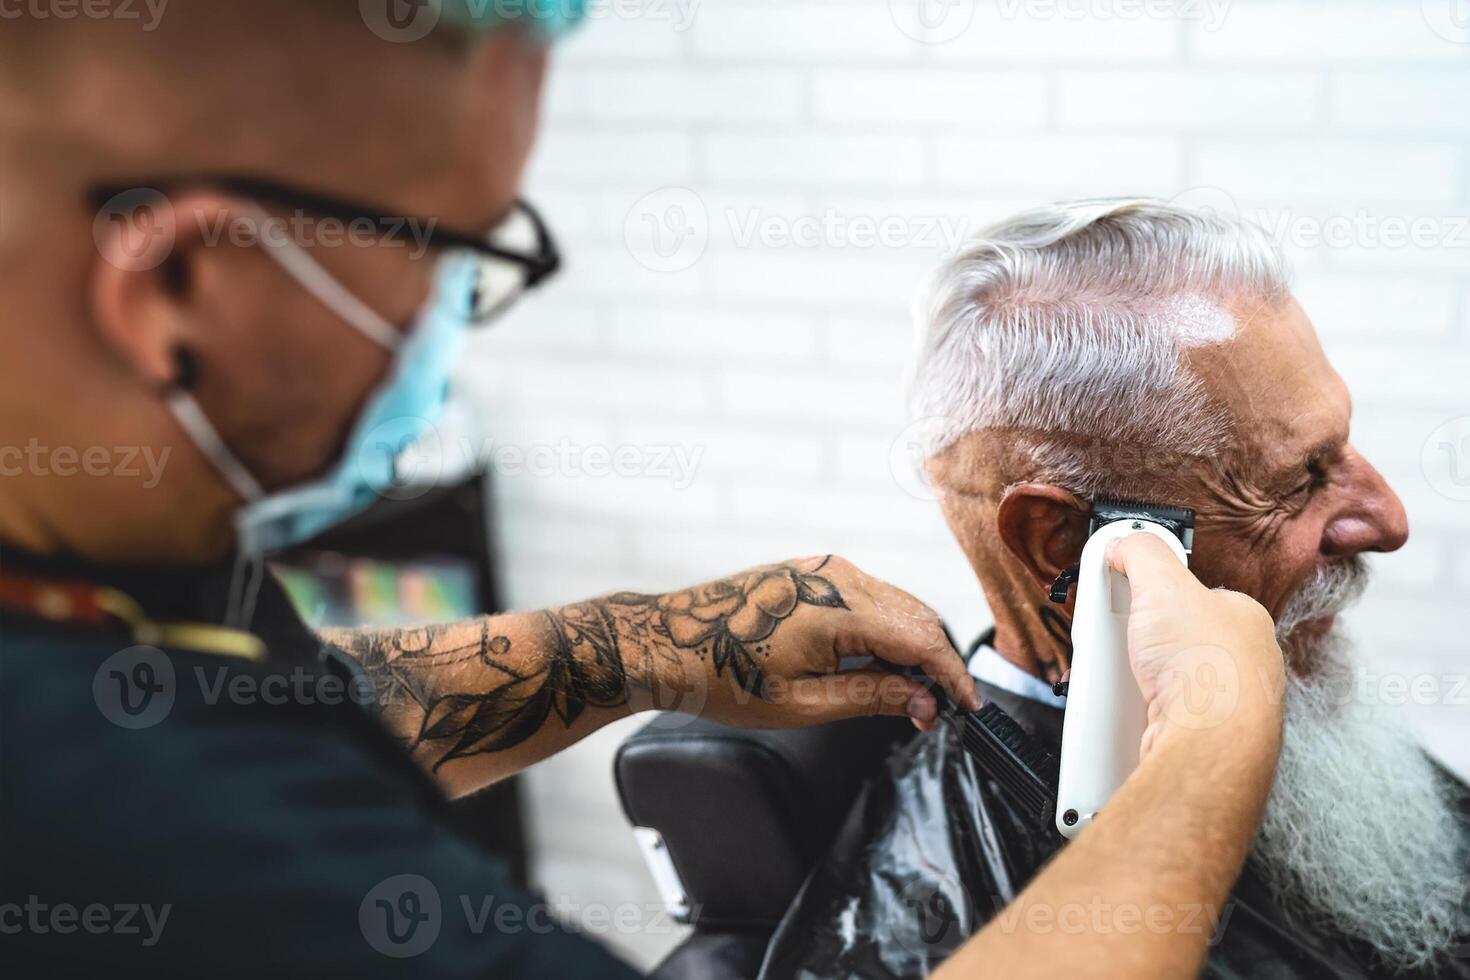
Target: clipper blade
1179 520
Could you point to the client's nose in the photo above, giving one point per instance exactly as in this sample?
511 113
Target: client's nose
1371 516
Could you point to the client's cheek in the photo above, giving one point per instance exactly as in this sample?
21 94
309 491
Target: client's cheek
1260 575
1218 564
1283 582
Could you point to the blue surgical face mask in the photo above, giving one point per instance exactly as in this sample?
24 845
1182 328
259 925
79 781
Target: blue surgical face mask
401 410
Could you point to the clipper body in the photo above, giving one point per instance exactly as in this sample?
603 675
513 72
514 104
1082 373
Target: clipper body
1106 715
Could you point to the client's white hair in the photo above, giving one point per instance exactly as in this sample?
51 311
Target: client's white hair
1068 322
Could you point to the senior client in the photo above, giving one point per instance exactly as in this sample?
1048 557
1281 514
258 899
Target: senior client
1133 348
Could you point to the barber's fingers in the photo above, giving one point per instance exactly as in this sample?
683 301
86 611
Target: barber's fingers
1173 614
901 630
863 693
1151 566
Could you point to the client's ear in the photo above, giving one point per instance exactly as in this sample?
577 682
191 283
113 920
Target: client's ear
1044 526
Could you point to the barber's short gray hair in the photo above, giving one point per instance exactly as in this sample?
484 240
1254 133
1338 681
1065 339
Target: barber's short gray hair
1067 323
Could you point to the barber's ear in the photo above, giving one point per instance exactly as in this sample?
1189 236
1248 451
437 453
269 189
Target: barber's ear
1044 527
144 286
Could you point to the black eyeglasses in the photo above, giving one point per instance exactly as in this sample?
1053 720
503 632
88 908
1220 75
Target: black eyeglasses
518 255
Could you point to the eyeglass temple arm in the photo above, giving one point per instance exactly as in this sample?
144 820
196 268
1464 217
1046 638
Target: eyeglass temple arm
538 267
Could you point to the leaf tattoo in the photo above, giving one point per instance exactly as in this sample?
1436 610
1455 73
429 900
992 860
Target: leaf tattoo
588 654
582 667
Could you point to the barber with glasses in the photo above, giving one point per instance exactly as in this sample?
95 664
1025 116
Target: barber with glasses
191 781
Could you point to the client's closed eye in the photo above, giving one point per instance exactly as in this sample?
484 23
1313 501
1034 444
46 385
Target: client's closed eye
1315 480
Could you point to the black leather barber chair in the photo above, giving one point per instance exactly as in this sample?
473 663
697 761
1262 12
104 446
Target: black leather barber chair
731 822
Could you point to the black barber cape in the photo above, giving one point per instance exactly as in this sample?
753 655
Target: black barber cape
200 833
932 851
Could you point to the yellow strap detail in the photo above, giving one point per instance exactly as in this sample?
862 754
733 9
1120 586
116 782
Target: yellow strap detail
198 637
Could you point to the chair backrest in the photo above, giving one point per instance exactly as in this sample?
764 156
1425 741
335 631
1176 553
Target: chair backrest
744 815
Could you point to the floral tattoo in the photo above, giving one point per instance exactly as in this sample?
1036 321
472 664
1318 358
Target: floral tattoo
730 620
588 654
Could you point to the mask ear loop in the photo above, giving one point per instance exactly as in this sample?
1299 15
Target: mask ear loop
320 283
317 281
249 571
249 562
245 582
187 412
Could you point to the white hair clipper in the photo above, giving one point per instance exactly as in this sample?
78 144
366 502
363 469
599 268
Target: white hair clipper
1106 715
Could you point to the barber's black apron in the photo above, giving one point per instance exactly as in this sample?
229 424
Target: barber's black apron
179 800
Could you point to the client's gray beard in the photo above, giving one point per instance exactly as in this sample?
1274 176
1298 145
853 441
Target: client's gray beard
1332 588
1360 831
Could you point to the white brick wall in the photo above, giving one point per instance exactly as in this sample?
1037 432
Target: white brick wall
779 358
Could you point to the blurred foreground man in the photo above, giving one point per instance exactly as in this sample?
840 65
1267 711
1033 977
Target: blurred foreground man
1137 350
200 373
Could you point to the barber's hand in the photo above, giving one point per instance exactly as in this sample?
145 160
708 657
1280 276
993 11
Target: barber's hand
767 645
1176 833
1206 660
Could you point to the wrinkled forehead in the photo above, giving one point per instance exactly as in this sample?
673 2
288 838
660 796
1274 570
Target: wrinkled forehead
1274 379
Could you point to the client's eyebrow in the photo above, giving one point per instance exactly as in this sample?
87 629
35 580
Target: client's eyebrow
1322 449
1319 452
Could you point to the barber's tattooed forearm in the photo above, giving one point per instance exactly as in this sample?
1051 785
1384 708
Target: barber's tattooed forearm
731 621
457 691
1059 628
